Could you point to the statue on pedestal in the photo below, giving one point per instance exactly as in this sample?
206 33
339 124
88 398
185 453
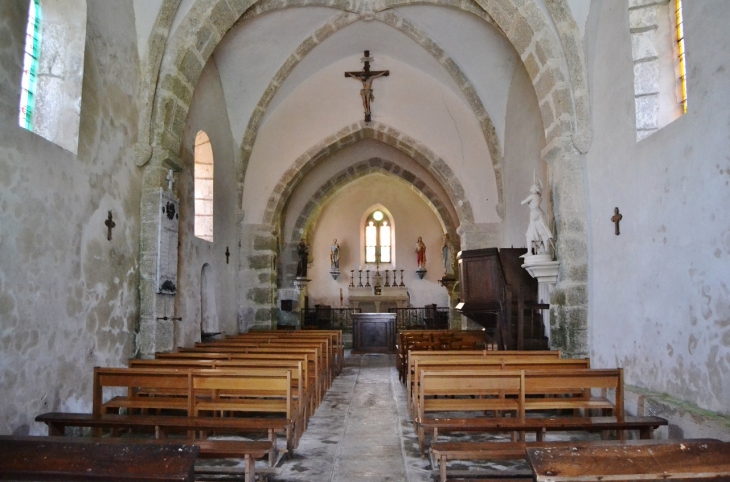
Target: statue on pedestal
335 256
447 256
538 234
421 254
302 255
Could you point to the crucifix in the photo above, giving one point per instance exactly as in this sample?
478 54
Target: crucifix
616 218
366 76
109 226
228 254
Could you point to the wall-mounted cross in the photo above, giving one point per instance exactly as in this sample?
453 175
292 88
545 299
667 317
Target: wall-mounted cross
366 76
109 226
228 254
616 218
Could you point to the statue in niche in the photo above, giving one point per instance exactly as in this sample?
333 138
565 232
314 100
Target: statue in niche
421 254
538 234
447 255
335 256
302 255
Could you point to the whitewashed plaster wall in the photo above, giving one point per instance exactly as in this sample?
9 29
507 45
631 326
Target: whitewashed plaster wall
523 143
68 296
340 218
445 125
207 113
660 292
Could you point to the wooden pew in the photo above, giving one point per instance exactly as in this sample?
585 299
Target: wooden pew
445 451
320 368
164 425
301 385
60 459
309 356
335 337
172 390
541 391
454 360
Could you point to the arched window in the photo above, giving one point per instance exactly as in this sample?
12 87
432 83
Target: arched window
31 59
203 187
53 71
378 238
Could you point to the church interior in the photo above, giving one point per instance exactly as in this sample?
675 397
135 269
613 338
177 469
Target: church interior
175 171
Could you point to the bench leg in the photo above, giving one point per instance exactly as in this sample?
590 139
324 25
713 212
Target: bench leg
55 429
442 468
250 469
272 452
421 439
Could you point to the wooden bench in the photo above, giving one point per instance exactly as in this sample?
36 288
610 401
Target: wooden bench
539 391
444 451
174 390
688 460
163 425
514 361
73 459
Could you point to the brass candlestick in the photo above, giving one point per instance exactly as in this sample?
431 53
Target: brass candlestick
402 285
367 280
352 278
387 283
359 285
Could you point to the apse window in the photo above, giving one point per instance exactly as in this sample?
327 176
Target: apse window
378 238
53 71
203 187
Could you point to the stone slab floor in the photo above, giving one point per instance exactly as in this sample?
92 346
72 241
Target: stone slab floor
362 432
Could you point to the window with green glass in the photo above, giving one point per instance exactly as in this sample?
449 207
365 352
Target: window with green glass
31 58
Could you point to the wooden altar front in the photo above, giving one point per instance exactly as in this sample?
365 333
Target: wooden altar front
373 333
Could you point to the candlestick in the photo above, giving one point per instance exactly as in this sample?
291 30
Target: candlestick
402 285
352 278
359 285
387 283
367 280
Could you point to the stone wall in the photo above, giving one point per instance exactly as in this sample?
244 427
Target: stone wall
68 296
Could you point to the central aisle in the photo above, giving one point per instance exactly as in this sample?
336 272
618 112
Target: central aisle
359 432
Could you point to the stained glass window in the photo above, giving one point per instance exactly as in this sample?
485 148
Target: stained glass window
378 238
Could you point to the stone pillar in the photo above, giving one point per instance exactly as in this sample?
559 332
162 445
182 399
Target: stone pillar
569 300
156 334
257 278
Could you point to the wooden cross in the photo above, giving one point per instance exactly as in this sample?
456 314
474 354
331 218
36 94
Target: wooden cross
109 225
366 76
228 254
616 218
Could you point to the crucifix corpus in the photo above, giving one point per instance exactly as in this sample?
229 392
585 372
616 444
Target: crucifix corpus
110 224
366 76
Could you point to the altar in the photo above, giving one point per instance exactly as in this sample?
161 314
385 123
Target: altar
368 301
373 333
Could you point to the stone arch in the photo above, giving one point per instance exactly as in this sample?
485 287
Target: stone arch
351 134
416 34
555 68
563 97
308 216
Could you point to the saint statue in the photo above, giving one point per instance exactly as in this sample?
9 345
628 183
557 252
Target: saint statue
538 234
335 256
447 256
302 255
421 254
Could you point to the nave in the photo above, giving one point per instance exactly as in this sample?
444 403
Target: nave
362 432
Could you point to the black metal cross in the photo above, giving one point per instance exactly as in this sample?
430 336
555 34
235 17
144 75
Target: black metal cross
109 226
366 76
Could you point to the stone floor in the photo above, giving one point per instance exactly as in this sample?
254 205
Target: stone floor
362 433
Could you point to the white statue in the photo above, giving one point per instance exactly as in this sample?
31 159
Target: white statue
538 234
